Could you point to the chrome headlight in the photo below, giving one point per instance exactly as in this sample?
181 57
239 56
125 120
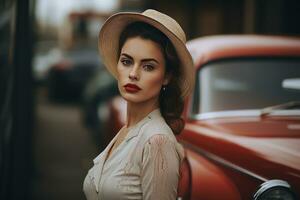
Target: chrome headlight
274 190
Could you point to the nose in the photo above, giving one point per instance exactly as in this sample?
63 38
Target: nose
134 74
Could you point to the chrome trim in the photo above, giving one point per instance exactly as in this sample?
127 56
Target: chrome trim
283 106
221 114
271 184
243 113
295 112
221 161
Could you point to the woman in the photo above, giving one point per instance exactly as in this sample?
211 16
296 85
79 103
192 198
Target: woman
146 53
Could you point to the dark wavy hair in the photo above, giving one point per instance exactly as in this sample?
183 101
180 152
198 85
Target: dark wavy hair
170 101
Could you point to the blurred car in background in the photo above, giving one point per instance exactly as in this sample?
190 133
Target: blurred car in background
68 77
46 54
242 132
99 90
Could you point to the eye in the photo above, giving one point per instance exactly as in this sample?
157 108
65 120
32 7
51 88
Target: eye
148 67
126 61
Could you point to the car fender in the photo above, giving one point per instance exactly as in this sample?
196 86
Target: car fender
208 181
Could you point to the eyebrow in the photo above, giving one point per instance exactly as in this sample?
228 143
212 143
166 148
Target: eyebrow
143 60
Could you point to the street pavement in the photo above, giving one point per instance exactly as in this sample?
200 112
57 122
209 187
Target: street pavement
63 151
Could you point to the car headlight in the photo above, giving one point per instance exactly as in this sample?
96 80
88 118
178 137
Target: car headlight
274 190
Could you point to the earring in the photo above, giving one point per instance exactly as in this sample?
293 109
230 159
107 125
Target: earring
164 88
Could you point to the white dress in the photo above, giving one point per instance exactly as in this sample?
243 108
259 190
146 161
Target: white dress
144 166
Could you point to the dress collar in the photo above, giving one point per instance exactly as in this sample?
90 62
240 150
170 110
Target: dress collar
153 114
133 132
100 161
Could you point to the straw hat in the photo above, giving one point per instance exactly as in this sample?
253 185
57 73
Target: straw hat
109 41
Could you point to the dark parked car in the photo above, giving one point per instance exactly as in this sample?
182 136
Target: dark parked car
242 132
68 77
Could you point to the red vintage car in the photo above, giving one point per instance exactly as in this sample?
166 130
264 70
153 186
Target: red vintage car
242 132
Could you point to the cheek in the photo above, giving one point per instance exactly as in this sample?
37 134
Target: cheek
120 78
120 73
155 82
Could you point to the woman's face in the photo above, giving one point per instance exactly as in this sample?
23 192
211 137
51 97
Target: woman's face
141 70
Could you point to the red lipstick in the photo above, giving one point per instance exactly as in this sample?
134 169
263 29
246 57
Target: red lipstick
132 88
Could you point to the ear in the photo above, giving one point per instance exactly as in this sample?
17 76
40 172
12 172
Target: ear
167 79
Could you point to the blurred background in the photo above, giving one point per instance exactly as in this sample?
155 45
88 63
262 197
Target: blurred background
54 90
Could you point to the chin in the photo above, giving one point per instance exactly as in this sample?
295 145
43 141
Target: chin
137 98
134 98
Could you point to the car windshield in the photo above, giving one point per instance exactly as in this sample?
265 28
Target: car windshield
243 84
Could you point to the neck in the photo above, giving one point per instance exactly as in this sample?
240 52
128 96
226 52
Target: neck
137 111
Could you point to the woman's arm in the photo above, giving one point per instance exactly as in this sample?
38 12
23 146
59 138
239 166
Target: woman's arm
160 169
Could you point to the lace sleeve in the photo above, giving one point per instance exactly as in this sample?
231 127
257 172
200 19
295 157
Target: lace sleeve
160 169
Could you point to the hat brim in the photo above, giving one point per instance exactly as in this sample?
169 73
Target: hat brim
108 42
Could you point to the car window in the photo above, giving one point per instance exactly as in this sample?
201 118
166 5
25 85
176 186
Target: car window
251 83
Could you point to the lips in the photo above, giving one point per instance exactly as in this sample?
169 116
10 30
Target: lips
132 88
